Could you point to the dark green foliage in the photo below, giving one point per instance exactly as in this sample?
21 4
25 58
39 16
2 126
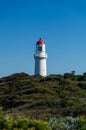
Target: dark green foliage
41 97
82 123
68 75
82 84
71 76
84 76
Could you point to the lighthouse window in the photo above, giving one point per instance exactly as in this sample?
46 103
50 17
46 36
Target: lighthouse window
40 48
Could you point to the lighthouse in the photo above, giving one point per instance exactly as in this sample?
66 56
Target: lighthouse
40 57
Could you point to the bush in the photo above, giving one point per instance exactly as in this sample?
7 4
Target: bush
22 123
81 123
69 123
82 85
39 125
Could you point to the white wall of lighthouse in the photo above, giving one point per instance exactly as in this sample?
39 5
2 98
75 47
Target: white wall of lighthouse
40 58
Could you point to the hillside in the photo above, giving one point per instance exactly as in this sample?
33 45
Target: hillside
41 98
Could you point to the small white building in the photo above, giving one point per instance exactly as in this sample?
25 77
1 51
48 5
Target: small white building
40 57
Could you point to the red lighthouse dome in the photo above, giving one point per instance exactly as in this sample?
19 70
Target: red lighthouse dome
40 41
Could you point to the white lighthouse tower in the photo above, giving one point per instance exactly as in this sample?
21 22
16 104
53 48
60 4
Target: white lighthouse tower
40 58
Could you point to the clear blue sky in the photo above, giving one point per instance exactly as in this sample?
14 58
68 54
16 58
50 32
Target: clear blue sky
60 23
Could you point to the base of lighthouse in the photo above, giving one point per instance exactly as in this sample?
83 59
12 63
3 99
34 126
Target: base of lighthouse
40 67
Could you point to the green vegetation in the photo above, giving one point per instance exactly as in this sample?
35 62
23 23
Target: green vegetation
68 123
23 123
42 98
30 102
56 102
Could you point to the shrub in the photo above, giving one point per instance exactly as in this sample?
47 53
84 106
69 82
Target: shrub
82 85
39 125
81 123
22 123
1 110
6 123
69 123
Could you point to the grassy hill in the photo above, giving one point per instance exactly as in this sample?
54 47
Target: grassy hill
42 98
